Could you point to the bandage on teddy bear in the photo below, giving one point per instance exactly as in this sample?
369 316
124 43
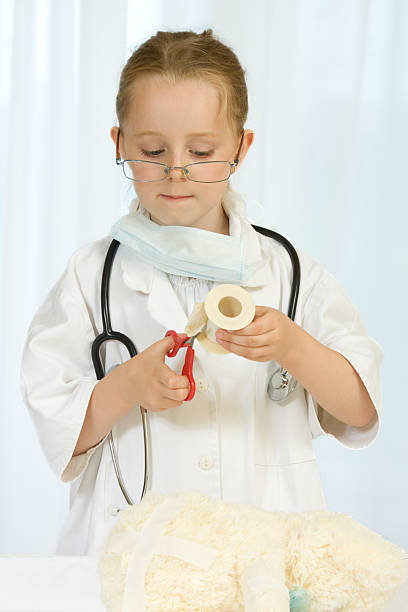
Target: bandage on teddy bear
188 552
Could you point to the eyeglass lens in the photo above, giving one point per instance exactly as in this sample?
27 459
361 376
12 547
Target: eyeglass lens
201 171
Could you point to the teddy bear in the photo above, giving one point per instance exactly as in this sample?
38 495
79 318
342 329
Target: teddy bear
188 552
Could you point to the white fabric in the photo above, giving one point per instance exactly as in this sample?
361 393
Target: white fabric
263 586
231 441
33 583
191 251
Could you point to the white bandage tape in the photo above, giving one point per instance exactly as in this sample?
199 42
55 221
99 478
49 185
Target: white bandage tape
263 586
150 541
229 307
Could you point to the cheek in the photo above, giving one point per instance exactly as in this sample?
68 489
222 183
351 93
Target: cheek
211 194
148 194
145 189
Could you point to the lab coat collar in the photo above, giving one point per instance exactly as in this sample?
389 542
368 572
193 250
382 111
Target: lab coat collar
146 278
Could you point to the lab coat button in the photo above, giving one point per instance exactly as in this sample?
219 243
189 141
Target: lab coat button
113 510
202 384
206 463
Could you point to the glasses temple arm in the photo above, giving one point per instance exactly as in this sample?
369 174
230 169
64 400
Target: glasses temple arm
236 160
117 148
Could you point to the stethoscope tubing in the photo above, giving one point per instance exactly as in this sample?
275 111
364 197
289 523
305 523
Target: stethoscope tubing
294 292
108 334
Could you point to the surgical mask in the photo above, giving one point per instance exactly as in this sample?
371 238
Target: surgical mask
191 251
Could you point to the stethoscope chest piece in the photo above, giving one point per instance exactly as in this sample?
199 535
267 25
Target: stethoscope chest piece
281 383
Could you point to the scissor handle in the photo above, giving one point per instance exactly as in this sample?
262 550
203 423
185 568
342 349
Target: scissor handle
179 340
188 371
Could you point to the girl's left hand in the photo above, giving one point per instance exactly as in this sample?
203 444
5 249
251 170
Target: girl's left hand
271 335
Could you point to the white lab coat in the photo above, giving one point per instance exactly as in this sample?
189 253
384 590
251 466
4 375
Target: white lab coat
231 441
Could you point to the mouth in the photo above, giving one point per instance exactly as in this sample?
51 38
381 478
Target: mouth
174 197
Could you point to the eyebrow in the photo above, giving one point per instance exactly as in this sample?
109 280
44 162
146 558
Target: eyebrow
150 133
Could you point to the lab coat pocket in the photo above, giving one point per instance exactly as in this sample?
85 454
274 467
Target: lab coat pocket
282 432
294 487
286 476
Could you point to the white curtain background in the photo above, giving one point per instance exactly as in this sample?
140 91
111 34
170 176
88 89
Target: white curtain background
328 96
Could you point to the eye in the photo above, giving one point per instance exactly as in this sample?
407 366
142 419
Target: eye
158 151
203 153
152 153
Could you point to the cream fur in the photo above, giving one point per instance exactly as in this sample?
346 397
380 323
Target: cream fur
342 565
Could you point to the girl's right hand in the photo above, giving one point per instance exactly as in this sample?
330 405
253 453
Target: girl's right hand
147 380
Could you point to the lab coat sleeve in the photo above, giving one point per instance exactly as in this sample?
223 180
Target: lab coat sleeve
57 375
330 316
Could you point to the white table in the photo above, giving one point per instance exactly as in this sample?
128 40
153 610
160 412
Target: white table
31 583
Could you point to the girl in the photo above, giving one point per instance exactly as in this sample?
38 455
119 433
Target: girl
182 99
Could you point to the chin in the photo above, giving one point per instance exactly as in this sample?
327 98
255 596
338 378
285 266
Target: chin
169 220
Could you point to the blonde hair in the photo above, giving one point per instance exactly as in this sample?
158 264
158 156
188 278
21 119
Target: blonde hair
175 56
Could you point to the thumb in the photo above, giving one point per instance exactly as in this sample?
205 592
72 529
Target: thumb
163 346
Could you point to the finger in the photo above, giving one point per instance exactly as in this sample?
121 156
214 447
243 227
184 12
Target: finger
259 324
164 344
176 395
164 404
171 380
263 340
255 353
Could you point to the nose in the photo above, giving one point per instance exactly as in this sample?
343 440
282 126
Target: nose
176 173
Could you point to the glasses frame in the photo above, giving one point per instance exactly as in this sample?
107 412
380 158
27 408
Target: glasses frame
166 168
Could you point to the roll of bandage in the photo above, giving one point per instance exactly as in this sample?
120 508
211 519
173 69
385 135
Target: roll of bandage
228 307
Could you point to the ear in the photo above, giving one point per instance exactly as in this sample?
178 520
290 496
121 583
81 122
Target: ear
247 141
114 134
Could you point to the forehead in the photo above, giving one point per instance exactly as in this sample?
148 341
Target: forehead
189 107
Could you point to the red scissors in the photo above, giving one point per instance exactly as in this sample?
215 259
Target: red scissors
184 341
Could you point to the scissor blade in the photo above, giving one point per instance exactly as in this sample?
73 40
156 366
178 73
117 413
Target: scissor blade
192 338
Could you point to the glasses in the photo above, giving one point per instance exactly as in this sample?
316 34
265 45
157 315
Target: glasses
142 171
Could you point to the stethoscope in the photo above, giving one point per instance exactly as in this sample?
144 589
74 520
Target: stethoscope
281 383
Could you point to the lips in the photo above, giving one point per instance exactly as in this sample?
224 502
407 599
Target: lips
174 197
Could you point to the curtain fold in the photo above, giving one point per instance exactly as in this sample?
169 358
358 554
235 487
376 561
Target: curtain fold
60 66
